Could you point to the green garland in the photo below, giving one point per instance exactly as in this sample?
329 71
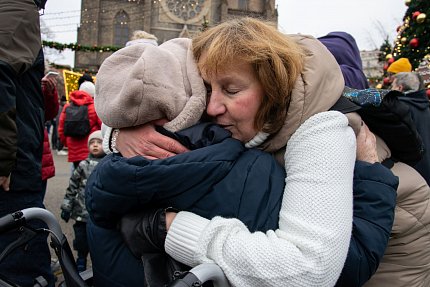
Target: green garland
77 47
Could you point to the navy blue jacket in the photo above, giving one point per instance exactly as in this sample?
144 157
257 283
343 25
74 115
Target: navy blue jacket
218 177
374 202
221 178
419 106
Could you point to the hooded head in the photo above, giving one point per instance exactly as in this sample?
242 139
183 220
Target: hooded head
141 83
95 135
401 65
88 87
345 50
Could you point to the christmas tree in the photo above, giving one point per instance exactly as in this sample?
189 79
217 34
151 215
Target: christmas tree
413 39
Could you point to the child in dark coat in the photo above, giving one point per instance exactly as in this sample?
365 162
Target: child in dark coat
73 205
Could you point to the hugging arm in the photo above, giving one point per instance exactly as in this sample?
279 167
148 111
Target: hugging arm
144 140
310 246
374 202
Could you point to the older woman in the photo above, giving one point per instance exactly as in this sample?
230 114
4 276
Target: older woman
272 92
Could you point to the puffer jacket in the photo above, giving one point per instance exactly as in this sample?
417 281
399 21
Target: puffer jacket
219 178
78 147
51 111
74 199
406 261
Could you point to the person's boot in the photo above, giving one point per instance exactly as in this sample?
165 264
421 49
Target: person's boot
81 264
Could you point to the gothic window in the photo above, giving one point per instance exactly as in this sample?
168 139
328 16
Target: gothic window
121 29
186 11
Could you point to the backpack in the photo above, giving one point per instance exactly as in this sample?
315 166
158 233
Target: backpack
387 117
76 123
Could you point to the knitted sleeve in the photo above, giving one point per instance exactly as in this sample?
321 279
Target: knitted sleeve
310 246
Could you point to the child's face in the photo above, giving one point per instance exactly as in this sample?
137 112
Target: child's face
96 148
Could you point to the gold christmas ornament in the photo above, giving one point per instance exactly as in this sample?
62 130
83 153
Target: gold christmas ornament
379 86
404 40
389 56
407 2
421 18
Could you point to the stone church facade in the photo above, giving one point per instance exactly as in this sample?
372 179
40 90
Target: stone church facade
111 22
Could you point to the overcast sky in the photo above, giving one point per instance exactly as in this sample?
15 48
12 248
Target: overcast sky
368 21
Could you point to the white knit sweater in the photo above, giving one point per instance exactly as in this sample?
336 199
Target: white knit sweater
315 221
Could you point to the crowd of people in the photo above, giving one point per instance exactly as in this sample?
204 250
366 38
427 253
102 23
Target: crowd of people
258 151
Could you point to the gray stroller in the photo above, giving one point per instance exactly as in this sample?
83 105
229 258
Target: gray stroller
72 278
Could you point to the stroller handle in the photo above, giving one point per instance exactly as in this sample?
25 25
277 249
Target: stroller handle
203 273
18 218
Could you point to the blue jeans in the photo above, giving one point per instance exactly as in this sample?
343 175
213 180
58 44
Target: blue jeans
33 259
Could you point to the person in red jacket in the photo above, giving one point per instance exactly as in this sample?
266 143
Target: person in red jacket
50 95
78 149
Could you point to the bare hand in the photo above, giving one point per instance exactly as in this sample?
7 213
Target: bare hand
144 140
170 216
366 145
49 82
5 182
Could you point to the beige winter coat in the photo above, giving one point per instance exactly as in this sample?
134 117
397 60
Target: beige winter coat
406 261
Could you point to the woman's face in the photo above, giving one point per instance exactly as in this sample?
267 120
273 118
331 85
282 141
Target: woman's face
234 97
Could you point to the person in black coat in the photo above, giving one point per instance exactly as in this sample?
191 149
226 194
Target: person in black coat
409 83
22 133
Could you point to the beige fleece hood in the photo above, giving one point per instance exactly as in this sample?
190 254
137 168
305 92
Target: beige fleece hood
143 82
317 89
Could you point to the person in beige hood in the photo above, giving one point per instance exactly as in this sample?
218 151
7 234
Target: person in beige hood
272 92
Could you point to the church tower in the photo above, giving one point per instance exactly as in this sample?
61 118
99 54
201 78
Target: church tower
111 22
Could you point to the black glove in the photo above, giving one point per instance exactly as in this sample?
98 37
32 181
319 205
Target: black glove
145 231
65 215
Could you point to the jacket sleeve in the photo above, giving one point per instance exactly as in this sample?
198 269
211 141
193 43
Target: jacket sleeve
73 188
8 128
310 246
122 185
51 102
61 125
374 203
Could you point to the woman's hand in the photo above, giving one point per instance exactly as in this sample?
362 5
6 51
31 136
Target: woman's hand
144 140
366 145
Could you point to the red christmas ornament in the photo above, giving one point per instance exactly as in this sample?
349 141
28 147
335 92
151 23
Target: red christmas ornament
414 43
415 14
386 81
428 93
390 61
385 66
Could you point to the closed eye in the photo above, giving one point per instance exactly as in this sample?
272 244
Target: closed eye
208 89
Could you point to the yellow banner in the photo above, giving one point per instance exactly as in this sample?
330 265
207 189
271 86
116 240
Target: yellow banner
71 81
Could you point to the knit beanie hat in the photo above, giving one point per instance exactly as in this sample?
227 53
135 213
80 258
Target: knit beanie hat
95 135
142 82
88 87
401 65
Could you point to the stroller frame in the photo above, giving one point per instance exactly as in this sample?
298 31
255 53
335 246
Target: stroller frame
197 276
58 242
